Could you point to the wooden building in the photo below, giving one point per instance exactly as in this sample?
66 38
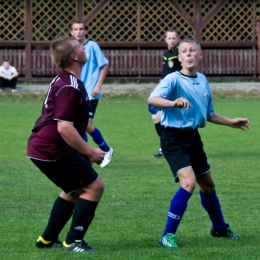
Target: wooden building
131 34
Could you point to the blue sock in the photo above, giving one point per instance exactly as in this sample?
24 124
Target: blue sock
177 208
211 204
99 140
85 137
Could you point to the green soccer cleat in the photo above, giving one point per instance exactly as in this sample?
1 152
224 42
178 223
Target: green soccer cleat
228 233
168 241
42 243
79 247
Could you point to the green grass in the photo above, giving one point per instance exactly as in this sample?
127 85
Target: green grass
131 215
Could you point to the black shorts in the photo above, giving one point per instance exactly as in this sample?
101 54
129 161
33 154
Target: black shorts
92 107
70 173
184 148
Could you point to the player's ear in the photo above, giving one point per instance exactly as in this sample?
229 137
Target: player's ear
74 56
201 55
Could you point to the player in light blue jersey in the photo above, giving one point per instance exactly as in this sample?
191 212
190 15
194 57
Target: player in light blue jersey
93 75
186 103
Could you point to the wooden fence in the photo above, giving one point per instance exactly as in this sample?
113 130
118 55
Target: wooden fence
131 34
144 63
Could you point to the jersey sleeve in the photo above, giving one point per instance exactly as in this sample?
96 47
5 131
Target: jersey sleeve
164 88
67 103
100 57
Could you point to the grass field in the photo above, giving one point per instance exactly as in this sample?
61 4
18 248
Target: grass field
131 215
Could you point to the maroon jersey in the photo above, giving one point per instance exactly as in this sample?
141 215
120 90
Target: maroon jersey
66 100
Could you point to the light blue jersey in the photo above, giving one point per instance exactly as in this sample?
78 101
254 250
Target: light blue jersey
196 90
91 70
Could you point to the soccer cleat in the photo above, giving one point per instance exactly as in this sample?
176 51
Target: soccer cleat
79 247
107 158
228 233
158 154
168 241
42 243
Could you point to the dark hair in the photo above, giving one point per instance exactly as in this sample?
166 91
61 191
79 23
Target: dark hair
172 30
77 21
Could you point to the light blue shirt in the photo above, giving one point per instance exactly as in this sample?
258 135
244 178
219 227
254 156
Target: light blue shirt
196 90
91 70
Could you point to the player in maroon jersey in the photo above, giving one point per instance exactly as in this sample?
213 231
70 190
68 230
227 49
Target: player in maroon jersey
57 148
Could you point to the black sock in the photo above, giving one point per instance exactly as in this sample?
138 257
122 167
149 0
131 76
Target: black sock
84 212
159 128
60 214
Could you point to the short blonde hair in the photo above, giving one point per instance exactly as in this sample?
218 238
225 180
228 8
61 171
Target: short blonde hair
61 49
190 40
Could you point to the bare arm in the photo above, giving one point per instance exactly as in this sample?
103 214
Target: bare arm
15 74
102 76
74 140
239 123
2 75
161 102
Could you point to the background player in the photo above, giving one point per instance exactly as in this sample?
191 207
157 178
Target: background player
93 75
170 64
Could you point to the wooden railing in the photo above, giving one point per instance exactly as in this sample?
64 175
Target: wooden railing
144 63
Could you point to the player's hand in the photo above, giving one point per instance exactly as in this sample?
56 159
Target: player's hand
96 156
240 123
95 91
181 103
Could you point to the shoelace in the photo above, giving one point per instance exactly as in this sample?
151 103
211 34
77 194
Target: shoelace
170 238
232 234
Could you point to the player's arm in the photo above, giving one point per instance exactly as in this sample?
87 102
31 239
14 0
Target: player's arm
2 75
74 140
161 102
15 74
240 123
102 76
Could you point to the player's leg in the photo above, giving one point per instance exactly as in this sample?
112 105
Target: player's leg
180 165
1 84
159 128
210 202
61 210
4 83
178 206
13 83
97 136
82 182
83 215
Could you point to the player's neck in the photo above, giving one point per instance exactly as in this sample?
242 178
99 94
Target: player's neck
74 71
84 40
189 72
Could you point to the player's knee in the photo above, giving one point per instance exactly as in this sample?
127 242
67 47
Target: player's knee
90 128
189 185
98 187
209 188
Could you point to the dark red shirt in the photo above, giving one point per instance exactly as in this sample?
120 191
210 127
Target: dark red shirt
66 100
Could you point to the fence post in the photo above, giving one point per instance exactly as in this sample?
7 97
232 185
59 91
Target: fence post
28 47
258 44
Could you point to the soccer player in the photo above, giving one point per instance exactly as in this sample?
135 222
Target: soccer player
57 148
93 75
186 103
171 63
